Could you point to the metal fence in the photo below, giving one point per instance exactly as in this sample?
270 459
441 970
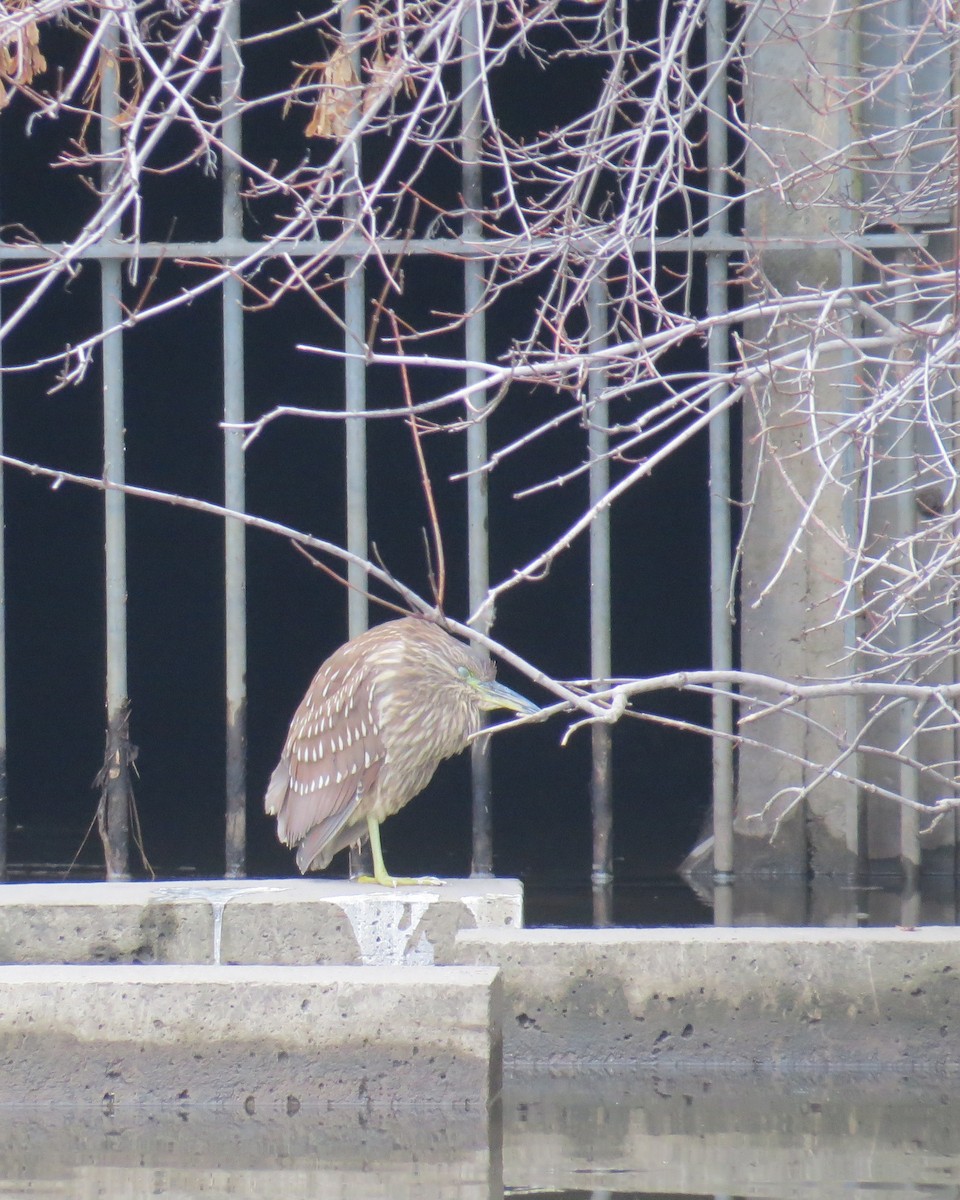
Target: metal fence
111 253
721 252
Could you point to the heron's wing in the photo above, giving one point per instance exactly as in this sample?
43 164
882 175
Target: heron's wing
332 757
322 842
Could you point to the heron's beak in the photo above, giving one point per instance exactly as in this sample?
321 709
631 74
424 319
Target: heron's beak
496 695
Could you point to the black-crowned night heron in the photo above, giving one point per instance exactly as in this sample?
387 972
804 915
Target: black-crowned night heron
379 717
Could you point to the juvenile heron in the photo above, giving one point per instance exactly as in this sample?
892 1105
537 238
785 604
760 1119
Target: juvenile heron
379 717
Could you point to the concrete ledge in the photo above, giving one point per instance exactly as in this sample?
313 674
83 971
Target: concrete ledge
256 1037
336 921
851 999
267 921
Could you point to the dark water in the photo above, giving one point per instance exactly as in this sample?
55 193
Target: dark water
751 1137
749 901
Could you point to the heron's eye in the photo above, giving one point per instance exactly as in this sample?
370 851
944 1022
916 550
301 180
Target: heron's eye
464 672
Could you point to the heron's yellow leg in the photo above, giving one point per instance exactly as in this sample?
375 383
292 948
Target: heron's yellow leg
380 871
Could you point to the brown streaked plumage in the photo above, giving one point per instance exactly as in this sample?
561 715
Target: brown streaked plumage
379 717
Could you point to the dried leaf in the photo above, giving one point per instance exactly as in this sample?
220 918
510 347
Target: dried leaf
337 83
20 58
386 74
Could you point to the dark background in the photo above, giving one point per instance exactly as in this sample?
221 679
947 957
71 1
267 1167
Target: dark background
54 541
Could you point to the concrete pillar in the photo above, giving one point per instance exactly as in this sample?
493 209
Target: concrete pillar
813 500
790 583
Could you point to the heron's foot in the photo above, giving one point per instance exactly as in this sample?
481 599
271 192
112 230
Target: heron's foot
393 881
380 874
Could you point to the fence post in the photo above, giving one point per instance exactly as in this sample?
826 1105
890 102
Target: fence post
234 484
116 797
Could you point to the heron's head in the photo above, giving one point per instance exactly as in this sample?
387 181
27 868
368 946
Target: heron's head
487 694
447 683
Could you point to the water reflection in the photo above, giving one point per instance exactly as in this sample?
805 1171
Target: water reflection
753 1136
682 1136
353 1153
829 902
747 901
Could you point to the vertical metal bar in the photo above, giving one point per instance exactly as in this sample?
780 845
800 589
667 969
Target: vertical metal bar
355 378
721 624
475 336
953 612
855 834
234 483
356 450
904 452
601 875
3 665
904 458
355 388
116 798
854 708
724 897
953 665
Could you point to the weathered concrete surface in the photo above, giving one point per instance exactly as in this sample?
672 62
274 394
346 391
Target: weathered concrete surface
308 920
254 1037
266 921
586 1000
103 922
868 999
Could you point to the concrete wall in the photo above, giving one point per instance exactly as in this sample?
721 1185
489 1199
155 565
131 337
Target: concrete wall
721 999
270 921
140 998
538 1003
260 1038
